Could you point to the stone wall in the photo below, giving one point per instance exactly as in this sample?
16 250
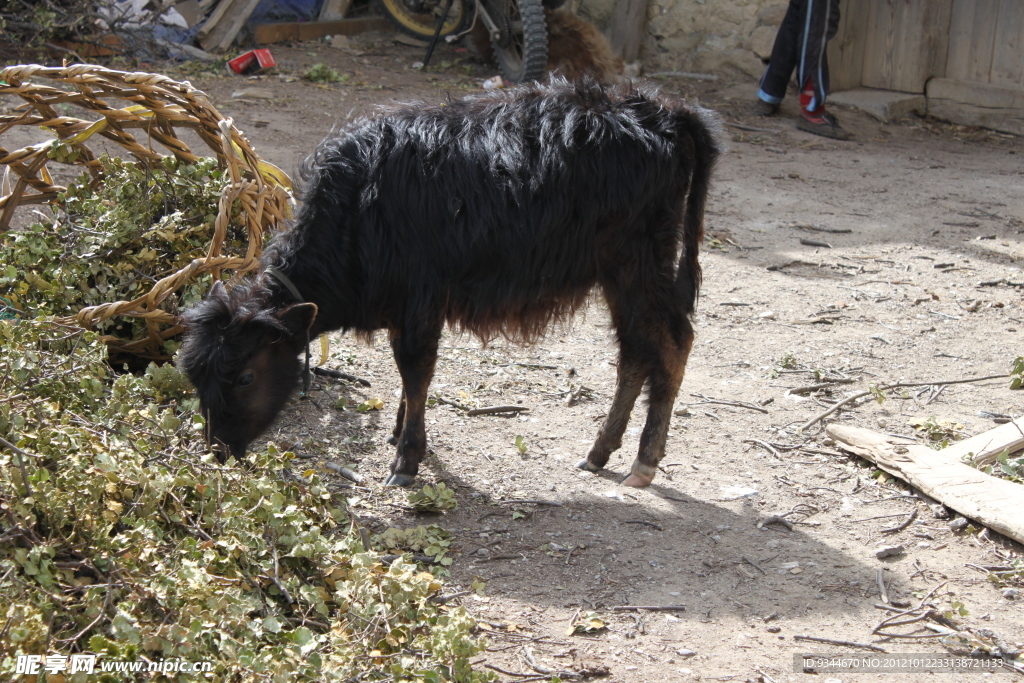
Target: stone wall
701 35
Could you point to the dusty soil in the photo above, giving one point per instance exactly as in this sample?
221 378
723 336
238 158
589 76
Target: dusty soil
916 214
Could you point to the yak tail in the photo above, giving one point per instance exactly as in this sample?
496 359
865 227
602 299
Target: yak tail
702 128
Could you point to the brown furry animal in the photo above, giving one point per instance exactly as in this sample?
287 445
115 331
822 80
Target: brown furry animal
575 48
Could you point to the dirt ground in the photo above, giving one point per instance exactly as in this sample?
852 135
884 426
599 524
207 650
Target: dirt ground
916 214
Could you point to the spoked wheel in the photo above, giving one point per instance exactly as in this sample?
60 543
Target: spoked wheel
419 18
521 47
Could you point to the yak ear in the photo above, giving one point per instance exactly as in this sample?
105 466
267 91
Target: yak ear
298 318
218 291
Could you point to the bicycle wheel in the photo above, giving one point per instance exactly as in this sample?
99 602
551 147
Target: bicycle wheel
418 18
522 47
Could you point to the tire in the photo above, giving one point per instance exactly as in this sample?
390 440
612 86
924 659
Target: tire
522 55
422 22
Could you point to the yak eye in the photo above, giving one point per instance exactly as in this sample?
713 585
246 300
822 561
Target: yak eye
246 379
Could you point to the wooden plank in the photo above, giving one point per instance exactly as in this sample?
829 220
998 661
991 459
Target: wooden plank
924 58
627 30
977 104
218 14
231 22
984 448
905 43
1008 46
276 33
333 10
878 40
189 11
846 49
972 27
996 503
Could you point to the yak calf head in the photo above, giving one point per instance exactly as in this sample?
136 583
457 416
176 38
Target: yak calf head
242 355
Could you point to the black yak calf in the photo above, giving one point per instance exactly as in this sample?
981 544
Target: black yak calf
496 214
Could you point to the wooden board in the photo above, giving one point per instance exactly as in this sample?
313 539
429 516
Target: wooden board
227 24
1008 46
627 29
977 104
846 49
219 12
333 10
905 43
995 503
310 30
984 448
971 32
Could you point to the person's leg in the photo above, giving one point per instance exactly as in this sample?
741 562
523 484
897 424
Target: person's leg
821 21
784 59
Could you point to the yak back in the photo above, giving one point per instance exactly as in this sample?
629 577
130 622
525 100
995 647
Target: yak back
497 213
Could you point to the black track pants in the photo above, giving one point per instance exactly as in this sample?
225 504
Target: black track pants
800 44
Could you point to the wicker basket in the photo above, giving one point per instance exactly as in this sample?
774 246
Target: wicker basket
152 106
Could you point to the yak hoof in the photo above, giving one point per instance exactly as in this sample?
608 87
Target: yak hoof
637 481
392 440
403 480
587 465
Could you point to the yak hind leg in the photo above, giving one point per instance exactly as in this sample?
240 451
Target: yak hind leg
633 370
631 376
664 381
415 353
655 337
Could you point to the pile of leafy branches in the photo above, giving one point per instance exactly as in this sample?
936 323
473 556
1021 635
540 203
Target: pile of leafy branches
25 25
111 240
120 537
30 28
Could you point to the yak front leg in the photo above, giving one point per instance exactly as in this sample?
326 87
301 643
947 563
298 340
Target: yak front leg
396 433
416 354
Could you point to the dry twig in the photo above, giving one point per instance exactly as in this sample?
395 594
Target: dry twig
645 523
886 387
336 374
845 643
902 525
496 410
726 402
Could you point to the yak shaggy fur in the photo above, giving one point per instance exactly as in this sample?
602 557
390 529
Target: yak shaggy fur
496 214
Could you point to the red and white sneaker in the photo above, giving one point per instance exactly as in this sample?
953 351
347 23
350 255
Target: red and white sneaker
822 123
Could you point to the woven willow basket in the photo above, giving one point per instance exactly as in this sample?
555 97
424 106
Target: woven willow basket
151 106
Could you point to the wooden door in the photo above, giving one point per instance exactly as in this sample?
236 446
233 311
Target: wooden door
905 42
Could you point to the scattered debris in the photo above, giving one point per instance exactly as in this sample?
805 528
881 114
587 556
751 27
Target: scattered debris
253 93
774 519
345 472
737 492
889 551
